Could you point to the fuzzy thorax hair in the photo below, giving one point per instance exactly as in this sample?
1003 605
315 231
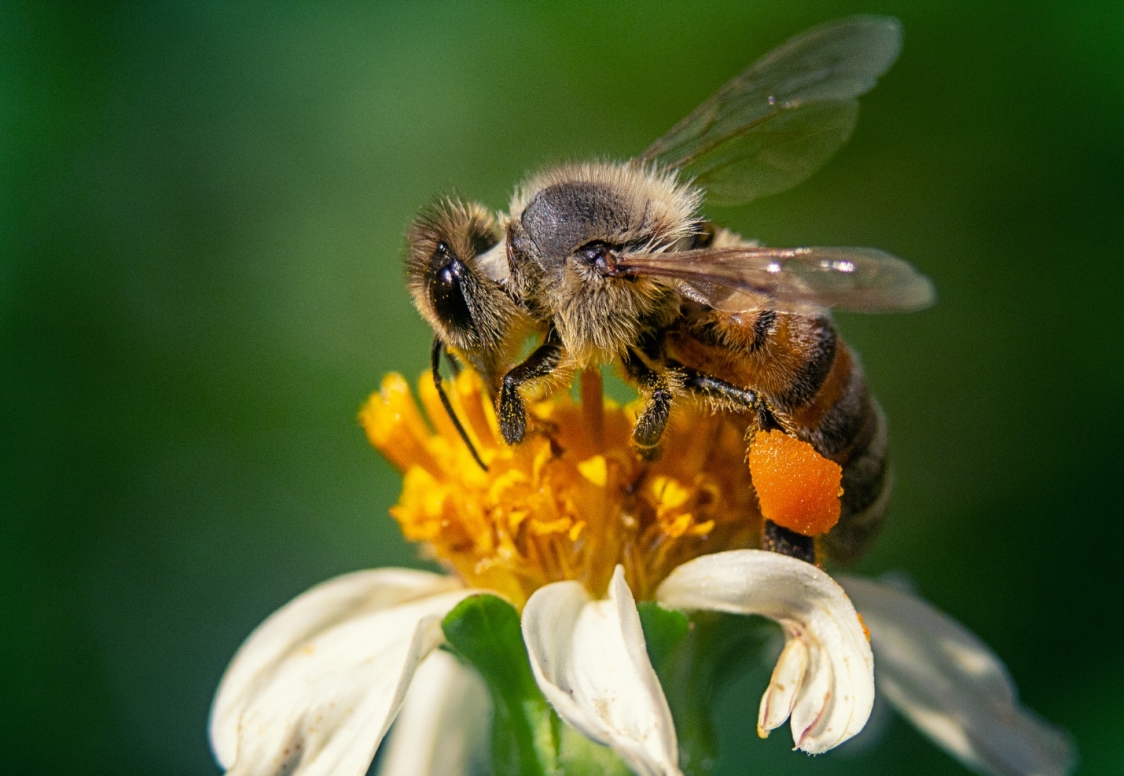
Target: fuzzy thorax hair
562 217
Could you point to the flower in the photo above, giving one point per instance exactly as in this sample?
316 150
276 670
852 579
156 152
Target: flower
947 682
571 527
573 501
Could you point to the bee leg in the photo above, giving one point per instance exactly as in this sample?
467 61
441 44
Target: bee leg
776 538
510 409
732 397
652 420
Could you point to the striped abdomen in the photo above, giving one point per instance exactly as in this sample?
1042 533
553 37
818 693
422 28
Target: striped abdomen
817 391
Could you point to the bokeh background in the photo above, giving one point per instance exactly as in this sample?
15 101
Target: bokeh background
201 215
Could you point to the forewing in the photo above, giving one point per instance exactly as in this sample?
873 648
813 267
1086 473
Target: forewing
791 279
778 121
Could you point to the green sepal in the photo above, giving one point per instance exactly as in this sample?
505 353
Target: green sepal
663 628
578 756
484 631
528 738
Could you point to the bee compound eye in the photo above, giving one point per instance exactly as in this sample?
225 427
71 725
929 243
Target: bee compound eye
443 255
447 295
596 255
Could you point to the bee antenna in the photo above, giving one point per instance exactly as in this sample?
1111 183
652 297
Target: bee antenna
438 382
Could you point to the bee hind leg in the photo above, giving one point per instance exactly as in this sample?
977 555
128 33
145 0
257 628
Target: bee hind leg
774 538
731 397
509 405
777 538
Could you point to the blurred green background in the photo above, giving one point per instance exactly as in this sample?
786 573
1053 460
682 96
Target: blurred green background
201 220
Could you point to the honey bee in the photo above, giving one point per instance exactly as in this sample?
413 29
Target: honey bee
613 263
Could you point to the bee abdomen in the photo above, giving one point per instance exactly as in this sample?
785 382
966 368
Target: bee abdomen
867 483
817 344
844 423
816 386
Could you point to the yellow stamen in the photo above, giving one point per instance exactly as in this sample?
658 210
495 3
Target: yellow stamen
595 470
573 500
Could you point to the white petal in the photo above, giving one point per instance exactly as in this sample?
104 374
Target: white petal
951 686
315 687
780 697
591 662
444 724
836 690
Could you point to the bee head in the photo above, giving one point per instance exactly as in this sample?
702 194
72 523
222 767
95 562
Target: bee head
456 284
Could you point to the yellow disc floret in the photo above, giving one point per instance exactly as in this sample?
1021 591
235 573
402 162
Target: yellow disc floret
570 502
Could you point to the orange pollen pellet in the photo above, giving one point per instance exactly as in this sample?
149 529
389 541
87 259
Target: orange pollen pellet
797 487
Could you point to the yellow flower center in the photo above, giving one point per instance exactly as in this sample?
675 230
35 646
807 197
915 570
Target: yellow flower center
573 500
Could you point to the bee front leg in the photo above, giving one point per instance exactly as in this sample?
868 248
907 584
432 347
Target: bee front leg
509 405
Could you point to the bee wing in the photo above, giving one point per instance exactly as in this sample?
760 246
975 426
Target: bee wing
789 279
777 122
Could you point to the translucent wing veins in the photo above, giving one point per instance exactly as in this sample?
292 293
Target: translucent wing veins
774 124
738 279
